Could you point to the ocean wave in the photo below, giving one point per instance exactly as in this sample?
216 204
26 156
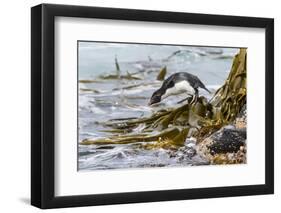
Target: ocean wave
124 156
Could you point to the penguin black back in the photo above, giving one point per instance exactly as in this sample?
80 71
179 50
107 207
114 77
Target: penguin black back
193 80
173 81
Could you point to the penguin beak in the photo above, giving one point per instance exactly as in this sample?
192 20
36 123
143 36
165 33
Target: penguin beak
150 103
154 100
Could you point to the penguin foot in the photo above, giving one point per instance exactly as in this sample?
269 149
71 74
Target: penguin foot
194 99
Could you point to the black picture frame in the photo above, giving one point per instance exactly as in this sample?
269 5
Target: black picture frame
43 105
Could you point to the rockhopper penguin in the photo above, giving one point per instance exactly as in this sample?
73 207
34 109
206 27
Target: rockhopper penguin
181 82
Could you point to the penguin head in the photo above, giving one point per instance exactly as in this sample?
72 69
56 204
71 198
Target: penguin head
155 98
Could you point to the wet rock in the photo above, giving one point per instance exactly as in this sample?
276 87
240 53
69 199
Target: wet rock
227 145
182 153
228 140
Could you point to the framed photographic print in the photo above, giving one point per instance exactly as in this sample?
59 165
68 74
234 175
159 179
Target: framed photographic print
140 106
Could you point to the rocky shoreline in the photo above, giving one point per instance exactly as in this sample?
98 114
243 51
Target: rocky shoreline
227 145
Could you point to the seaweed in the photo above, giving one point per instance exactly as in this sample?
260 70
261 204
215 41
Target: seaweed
170 133
89 90
128 76
162 74
117 67
118 75
87 81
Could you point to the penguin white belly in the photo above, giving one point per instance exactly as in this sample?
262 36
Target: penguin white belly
178 88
